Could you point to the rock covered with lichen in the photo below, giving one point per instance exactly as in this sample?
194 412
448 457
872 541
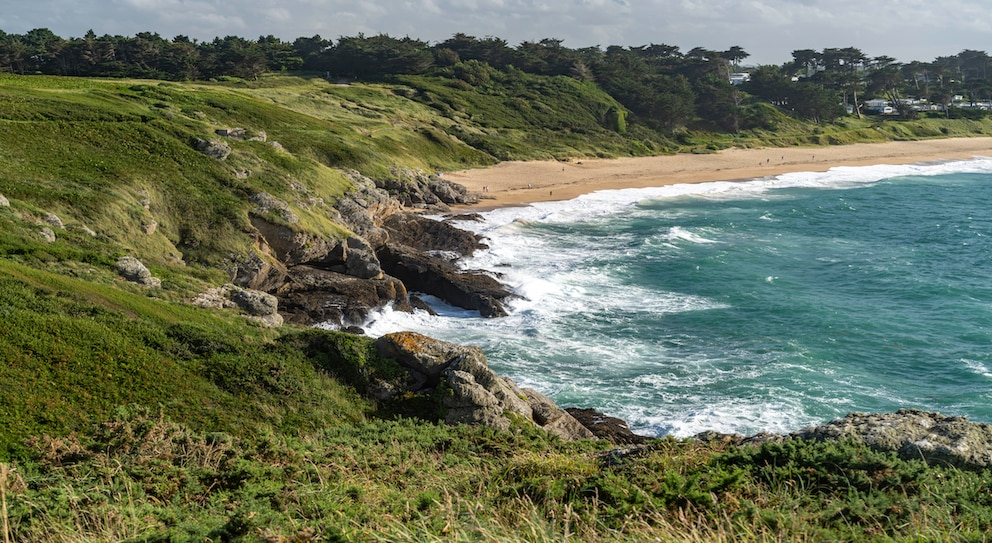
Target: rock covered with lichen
911 433
470 392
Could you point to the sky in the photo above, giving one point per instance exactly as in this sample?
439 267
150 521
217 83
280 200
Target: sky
769 30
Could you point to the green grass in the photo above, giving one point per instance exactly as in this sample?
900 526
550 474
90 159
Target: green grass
140 477
127 414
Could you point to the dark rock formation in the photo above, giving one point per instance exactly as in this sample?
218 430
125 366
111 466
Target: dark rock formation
426 234
341 280
422 272
602 426
470 392
417 302
310 295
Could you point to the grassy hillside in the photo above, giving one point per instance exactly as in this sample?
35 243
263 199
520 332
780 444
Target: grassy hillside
128 415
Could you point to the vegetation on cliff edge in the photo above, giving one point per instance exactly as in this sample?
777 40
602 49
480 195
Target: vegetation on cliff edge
130 415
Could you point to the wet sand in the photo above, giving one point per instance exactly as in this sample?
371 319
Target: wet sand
520 183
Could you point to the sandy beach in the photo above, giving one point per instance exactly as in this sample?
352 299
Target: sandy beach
519 183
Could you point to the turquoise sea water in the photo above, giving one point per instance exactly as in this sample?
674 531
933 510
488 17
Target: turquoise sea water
745 307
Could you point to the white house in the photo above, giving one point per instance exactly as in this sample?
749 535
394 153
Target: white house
739 78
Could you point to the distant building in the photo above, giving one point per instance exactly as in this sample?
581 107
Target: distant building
878 107
739 78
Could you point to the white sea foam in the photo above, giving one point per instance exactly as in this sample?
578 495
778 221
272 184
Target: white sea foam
977 367
607 202
557 277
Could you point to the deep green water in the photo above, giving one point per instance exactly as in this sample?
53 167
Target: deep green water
746 307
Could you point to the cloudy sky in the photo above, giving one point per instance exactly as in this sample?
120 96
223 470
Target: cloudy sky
767 29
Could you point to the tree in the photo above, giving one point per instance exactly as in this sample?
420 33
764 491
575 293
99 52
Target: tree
806 61
379 56
886 80
279 55
769 83
313 52
735 55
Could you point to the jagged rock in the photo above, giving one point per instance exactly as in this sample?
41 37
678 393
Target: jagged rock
255 302
352 256
213 149
293 248
555 419
53 220
914 433
605 427
464 217
477 394
449 193
4 202
215 298
360 260
311 295
417 302
363 207
47 234
253 271
149 228
427 234
426 273
417 189
133 270
274 320
265 203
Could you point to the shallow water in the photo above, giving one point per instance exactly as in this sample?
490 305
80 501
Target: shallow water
745 307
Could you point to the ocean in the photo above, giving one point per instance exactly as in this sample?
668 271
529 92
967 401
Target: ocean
759 306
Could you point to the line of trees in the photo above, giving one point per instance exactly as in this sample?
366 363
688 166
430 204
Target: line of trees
663 88
850 75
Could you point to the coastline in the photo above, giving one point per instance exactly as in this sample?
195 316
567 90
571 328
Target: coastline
519 183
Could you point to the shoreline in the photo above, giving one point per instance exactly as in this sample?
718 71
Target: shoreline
519 183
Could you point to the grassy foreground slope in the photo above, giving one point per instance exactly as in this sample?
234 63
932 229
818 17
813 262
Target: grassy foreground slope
128 415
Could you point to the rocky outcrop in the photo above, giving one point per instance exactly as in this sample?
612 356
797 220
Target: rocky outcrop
260 306
912 433
417 189
213 149
133 270
423 272
470 392
4 202
312 295
426 234
342 279
605 427
422 252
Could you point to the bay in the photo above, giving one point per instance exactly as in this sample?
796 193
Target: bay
765 305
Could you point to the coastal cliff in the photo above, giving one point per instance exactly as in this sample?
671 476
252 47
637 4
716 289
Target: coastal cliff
161 381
